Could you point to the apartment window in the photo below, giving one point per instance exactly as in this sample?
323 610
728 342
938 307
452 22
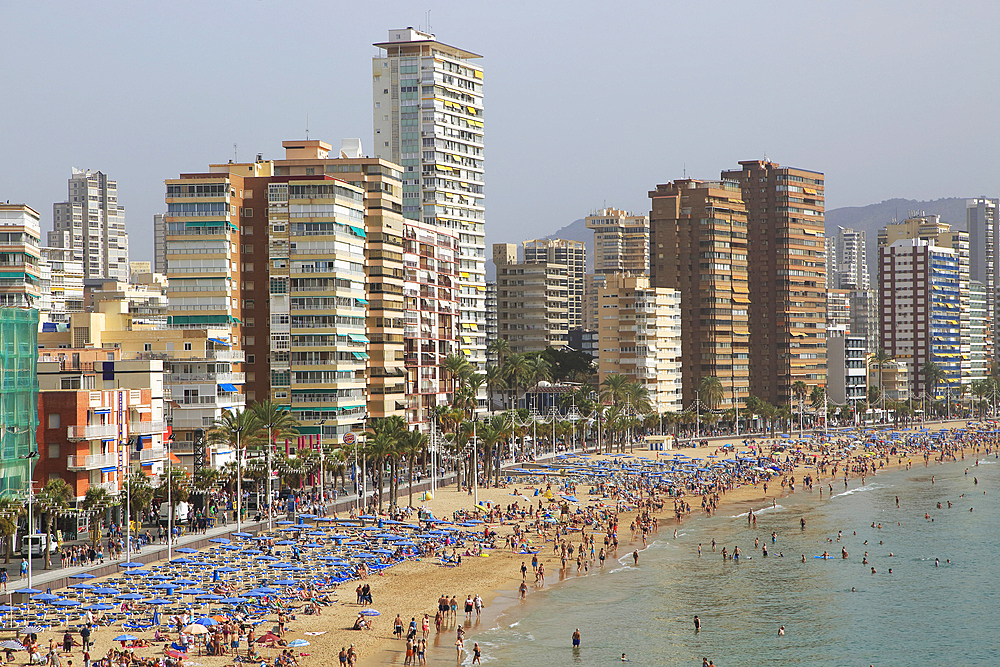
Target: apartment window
248 340
248 266
147 347
247 286
53 447
54 421
247 249
251 358
187 347
378 105
248 303
248 212
248 322
247 230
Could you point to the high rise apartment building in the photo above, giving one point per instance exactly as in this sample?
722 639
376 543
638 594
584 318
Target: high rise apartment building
62 285
431 294
640 337
20 257
160 243
921 310
428 118
532 301
574 255
838 309
91 223
930 229
698 246
621 241
321 280
851 260
982 217
787 247
979 334
592 284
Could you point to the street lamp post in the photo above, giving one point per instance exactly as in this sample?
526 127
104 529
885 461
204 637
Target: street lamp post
475 460
30 498
321 460
170 504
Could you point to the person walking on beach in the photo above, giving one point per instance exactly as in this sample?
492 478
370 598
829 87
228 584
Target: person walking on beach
476 654
576 638
468 608
454 607
477 603
635 556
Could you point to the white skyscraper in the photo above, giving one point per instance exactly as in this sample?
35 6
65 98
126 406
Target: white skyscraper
91 223
851 260
428 117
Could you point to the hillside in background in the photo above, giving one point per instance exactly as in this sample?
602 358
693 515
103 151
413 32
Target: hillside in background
873 217
869 218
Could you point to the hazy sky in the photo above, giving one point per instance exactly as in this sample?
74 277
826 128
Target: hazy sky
587 102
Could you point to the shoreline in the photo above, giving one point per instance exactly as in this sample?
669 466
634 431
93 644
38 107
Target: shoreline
502 601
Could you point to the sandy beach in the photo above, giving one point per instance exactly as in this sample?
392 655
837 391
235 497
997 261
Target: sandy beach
411 589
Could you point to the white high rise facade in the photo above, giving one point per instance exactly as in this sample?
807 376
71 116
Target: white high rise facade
428 118
91 224
851 260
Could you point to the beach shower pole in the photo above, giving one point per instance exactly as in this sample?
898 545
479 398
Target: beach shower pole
475 460
239 482
170 502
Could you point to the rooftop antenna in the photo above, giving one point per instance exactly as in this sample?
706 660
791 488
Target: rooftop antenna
427 18
236 157
307 127
685 170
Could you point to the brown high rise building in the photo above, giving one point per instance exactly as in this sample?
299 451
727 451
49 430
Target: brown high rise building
787 250
698 246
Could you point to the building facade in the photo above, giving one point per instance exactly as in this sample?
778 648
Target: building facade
99 418
21 269
621 241
532 301
18 397
571 253
921 311
848 369
698 246
431 294
429 118
982 215
91 223
850 260
640 338
787 247
592 283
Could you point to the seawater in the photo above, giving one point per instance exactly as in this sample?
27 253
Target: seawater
917 615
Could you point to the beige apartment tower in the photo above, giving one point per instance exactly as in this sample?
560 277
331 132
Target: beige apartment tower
698 246
532 301
574 255
640 337
621 241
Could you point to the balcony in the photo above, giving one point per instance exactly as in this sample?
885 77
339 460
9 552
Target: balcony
147 428
218 378
151 455
227 355
91 461
104 431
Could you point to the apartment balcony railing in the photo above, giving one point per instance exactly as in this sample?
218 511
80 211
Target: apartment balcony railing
152 454
91 461
147 428
227 355
92 432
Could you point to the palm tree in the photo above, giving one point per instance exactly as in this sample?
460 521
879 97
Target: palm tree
96 499
517 374
53 497
491 434
240 431
539 370
412 444
710 391
498 349
495 380
614 389
799 391
278 422
933 376
10 510
455 365
881 357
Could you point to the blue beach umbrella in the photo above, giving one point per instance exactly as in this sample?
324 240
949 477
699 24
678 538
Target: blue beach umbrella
130 564
82 575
